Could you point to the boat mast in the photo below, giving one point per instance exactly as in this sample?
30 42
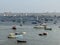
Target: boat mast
21 20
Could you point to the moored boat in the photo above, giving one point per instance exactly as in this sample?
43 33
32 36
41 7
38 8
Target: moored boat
41 26
14 27
43 34
11 35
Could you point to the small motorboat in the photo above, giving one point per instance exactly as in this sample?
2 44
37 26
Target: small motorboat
22 33
16 34
39 27
42 34
14 27
21 38
48 28
44 24
11 35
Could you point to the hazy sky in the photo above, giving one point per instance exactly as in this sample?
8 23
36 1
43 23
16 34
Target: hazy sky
30 5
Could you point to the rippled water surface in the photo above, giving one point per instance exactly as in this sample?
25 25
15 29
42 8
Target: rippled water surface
32 37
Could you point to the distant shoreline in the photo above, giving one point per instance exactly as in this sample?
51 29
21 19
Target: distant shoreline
28 14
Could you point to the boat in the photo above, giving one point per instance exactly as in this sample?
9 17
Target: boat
42 34
14 27
44 24
21 38
41 26
11 35
34 22
48 28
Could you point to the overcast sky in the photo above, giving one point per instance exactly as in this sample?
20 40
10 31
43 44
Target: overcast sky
30 5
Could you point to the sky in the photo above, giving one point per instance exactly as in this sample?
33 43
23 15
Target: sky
30 6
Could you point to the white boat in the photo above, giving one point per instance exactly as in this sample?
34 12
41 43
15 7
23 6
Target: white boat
11 35
20 38
14 35
48 28
39 27
42 26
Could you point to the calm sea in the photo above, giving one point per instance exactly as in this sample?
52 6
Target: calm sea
32 37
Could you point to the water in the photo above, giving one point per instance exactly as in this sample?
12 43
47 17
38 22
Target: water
32 37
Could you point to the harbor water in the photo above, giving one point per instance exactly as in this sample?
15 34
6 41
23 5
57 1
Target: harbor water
32 37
